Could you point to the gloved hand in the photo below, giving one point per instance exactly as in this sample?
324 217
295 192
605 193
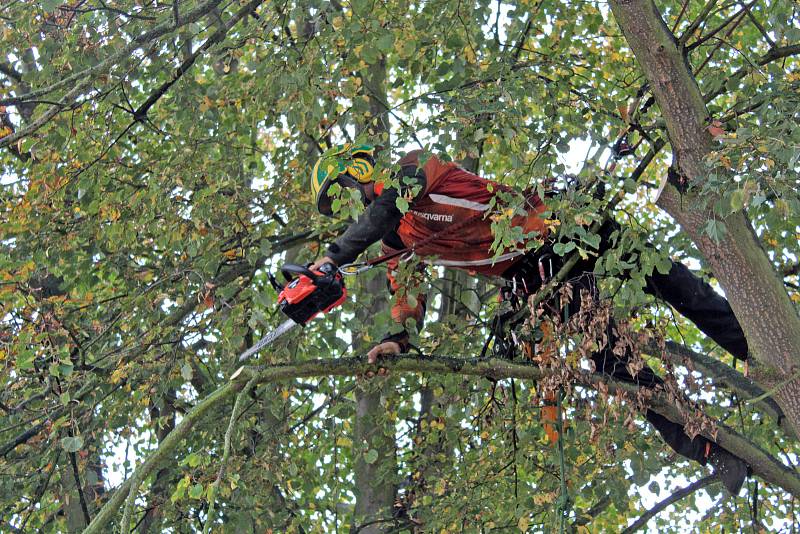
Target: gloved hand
385 347
320 262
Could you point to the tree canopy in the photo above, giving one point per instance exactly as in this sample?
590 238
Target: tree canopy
154 161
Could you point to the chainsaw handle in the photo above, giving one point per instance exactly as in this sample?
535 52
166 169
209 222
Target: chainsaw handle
289 269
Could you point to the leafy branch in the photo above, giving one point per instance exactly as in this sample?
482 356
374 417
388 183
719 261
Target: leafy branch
82 80
762 463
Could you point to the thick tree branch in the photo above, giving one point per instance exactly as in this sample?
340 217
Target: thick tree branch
672 499
10 71
756 294
779 52
725 375
764 465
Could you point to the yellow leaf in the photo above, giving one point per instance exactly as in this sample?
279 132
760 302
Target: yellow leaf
522 524
469 53
118 374
206 104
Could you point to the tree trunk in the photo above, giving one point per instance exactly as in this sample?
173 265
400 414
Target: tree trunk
374 477
375 480
744 271
70 497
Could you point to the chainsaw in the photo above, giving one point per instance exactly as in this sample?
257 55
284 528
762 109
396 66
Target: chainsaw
303 298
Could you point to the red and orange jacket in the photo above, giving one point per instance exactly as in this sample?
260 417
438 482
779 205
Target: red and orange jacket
449 197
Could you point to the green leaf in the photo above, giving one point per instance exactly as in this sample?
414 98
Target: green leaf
385 42
664 265
737 200
186 371
50 5
180 489
193 460
402 204
715 230
72 444
25 360
196 491
370 54
371 456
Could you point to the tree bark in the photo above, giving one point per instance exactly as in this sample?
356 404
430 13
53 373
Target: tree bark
741 266
375 480
160 492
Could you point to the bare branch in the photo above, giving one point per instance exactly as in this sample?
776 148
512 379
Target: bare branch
697 22
79 487
584 518
730 20
779 52
672 499
760 28
791 270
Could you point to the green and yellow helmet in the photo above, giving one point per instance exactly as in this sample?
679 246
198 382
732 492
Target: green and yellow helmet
355 162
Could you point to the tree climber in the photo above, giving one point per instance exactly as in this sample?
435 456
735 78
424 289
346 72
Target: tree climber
445 224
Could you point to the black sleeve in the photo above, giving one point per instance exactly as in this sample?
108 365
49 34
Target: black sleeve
380 218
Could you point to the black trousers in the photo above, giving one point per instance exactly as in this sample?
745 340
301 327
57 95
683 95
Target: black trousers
688 294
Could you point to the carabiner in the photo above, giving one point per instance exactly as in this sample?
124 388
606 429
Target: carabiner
352 269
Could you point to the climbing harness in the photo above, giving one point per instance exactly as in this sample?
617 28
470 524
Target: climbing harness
350 269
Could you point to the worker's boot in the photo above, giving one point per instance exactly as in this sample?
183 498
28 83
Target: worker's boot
730 469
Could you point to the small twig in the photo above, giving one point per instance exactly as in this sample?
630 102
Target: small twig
680 15
760 28
697 22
